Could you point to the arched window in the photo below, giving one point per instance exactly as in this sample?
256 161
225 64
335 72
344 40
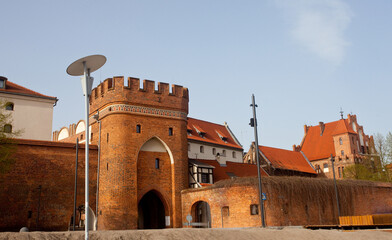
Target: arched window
340 141
9 106
224 153
189 147
214 151
201 149
138 128
8 128
233 154
342 153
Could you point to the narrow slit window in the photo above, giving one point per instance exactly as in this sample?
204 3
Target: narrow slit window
138 128
170 131
156 163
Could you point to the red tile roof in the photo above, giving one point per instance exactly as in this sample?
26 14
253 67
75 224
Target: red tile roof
211 133
238 169
317 146
285 159
13 88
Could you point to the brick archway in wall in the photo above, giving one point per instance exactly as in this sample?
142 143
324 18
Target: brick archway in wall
201 213
154 184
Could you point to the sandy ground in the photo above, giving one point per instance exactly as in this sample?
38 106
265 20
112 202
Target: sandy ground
230 234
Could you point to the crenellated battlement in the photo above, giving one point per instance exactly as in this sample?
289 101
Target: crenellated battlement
116 90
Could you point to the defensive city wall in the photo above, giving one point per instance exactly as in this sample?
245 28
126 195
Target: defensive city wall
290 201
38 190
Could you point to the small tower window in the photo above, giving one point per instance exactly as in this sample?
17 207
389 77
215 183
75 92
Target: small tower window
233 154
214 151
9 106
170 131
8 128
138 128
340 141
224 153
342 153
201 149
156 163
189 147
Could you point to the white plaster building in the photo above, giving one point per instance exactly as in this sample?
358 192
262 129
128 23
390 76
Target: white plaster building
210 141
32 112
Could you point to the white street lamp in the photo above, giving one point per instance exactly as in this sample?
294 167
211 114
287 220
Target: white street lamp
85 66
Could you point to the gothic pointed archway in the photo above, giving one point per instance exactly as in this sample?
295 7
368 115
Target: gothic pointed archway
151 212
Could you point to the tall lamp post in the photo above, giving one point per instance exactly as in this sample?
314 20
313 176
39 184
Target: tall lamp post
253 123
336 187
83 67
96 117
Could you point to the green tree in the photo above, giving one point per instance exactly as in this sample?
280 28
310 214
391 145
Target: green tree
7 141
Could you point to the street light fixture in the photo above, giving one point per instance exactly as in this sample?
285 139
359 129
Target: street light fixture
85 66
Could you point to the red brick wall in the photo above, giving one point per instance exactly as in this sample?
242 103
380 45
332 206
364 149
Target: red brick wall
290 201
51 165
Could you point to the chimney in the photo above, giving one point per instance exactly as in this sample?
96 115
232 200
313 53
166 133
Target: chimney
306 128
296 148
322 127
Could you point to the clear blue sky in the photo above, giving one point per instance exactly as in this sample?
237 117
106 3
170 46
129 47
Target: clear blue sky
302 60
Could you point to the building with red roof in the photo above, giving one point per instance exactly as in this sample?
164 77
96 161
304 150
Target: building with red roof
280 162
32 112
212 141
211 148
344 140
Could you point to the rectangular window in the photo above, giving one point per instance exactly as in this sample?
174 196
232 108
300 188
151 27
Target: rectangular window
254 209
326 169
138 128
2 83
340 172
157 163
205 178
170 131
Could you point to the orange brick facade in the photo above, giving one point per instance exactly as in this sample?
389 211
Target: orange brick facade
126 172
50 165
290 201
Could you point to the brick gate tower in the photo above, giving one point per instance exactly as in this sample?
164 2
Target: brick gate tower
144 162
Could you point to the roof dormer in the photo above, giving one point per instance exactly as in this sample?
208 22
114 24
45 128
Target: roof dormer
200 131
221 135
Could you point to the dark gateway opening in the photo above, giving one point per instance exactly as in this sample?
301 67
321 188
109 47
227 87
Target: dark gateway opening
151 212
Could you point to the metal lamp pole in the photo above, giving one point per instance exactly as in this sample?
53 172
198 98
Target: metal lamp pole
85 66
86 80
336 187
96 117
253 123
